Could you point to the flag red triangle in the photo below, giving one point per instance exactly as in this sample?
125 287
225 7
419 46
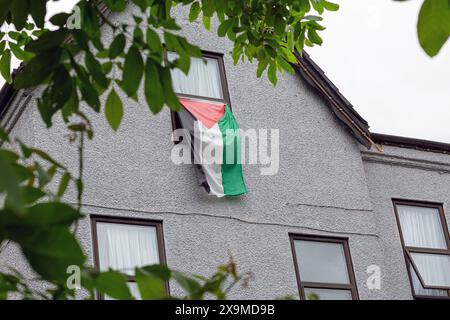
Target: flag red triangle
207 113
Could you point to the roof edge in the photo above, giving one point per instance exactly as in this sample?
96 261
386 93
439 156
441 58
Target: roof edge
411 143
339 105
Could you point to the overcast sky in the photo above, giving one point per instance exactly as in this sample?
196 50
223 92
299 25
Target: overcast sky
372 55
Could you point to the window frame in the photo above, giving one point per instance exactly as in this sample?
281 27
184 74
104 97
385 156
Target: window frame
352 286
408 250
223 81
157 224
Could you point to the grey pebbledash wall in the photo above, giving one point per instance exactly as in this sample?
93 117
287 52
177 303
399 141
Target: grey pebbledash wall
400 173
323 185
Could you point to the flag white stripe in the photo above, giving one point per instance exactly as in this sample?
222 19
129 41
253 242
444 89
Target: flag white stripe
213 172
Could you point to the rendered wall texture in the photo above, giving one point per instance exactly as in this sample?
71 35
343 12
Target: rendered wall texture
403 174
322 186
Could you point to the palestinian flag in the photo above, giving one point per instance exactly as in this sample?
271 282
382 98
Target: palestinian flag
212 126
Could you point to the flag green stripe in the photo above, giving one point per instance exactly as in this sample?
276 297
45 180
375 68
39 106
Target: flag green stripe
232 179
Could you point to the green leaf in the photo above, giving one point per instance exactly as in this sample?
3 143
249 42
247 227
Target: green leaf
48 40
38 218
38 69
280 25
285 65
208 7
113 110
194 11
30 195
38 9
172 43
142 4
150 287
305 6
133 70
314 25
272 73
159 271
153 40
58 93
3 135
312 18
190 49
206 22
5 65
82 39
317 5
71 105
29 151
114 285
330 6
51 213
90 95
11 178
60 19
117 46
170 96
116 5
153 89
224 27
433 26
19 12
262 65
290 40
192 287
90 19
95 69
65 179
314 37
19 53
8 283
9 156
107 67
5 5
51 251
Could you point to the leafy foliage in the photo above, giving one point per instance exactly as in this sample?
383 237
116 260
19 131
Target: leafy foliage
433 26
76 67
267 32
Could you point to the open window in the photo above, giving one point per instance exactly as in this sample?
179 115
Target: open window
426 244
208 125
323 267
123 244
205 82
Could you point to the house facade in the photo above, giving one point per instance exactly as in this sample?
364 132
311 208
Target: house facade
348 214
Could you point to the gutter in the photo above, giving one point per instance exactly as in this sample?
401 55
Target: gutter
411 143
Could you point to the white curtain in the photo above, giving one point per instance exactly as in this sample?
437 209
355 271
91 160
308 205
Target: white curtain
420 290
124 247
203 78
434 268
421 227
